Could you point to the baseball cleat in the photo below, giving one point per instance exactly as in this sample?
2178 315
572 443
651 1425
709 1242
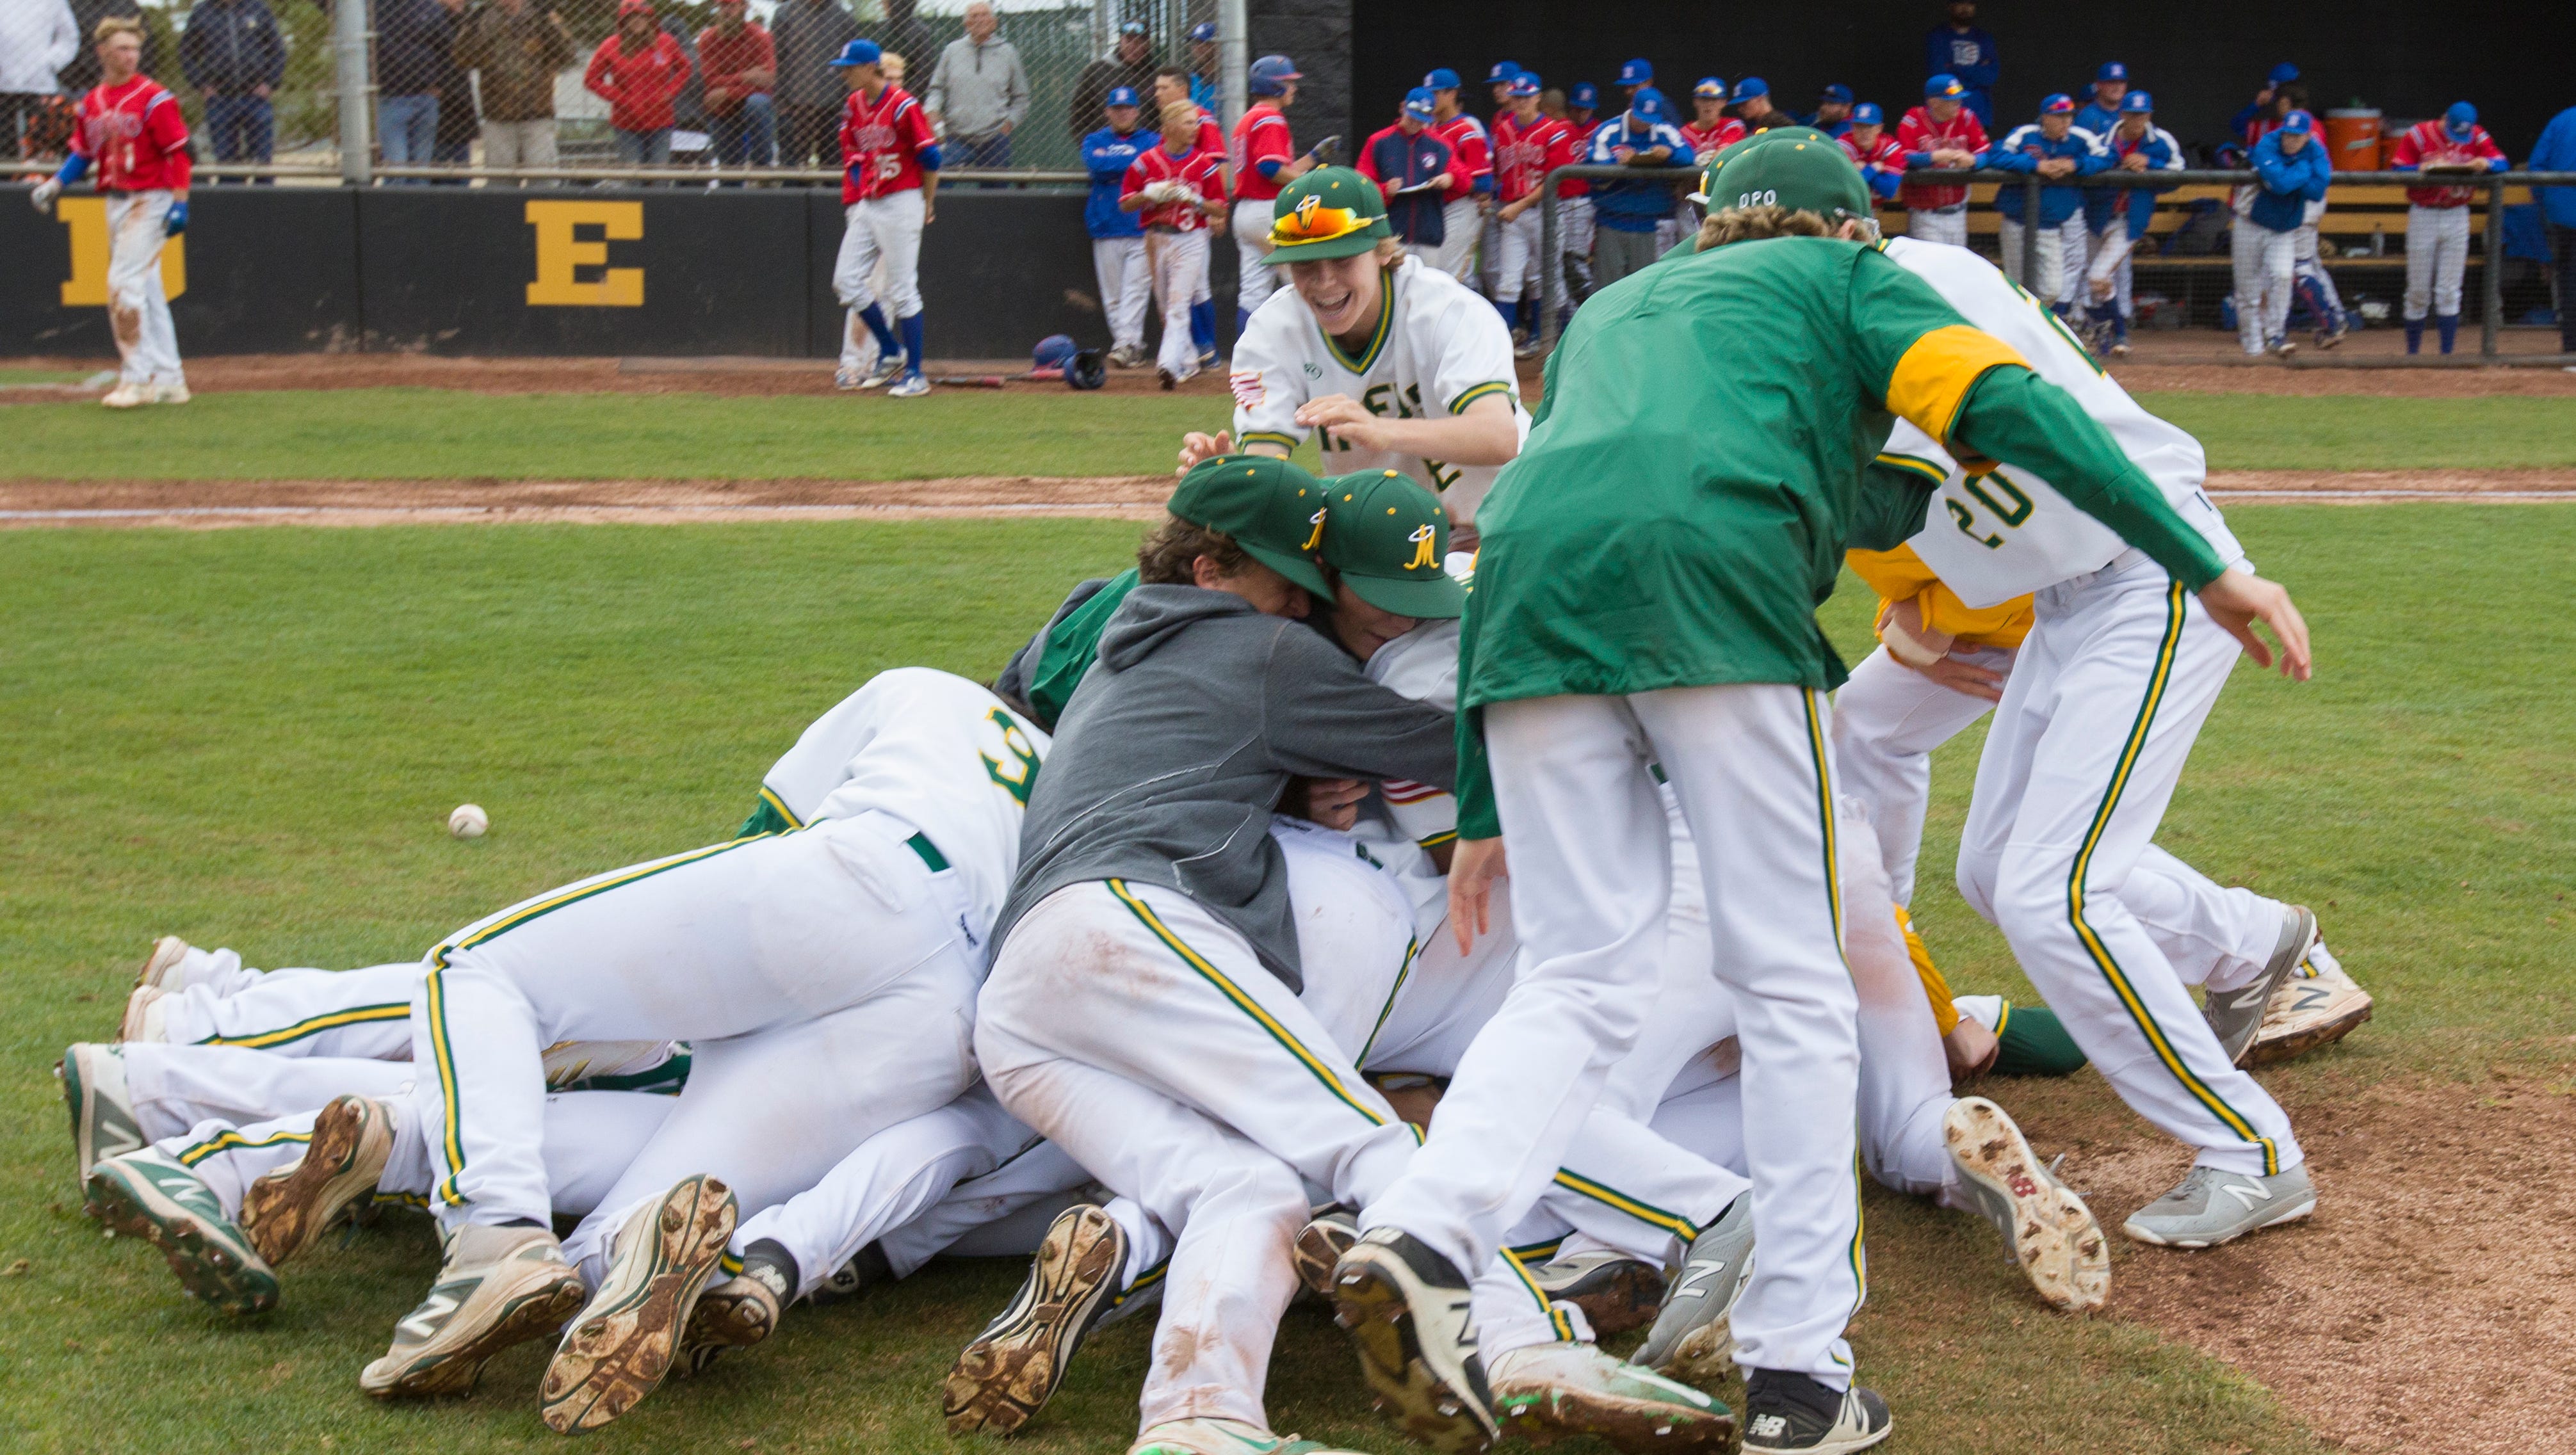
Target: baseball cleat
1790 1414
175 392
846 377
1167 379
2120 350
1406 1306
496 1287
2328 338
2317 1007
1548 1391
887 369
1712 1278
126 395
1616 1292
2209 1207
168 953
287 1211
103 1124
143 1014
626 1338
2050 1231
2235 1016
1221 1437
1320 1246
1010 1370
149 1194
1207 358
910 386
739 1311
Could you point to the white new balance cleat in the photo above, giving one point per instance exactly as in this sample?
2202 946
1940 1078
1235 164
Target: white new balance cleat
627 1337
2050 1231
127 395
2317 1007
170 391
1791 1414
144 1014
2209 1207
1548 1391
1407 1308
150 1194
103 1124
1222 1437
497 1287
168 953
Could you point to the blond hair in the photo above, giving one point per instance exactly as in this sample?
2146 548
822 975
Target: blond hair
1181 116
114 26
1751 224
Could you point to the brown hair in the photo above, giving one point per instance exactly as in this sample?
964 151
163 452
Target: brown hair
1750 224
1169 553
116 25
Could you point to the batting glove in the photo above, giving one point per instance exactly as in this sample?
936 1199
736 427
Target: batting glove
177 222
44 194
1325 151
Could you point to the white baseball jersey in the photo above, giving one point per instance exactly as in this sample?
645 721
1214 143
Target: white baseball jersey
1996 536
1438 348
933 750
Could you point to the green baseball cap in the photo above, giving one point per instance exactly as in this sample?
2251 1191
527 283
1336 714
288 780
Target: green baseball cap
1331 212
1387 536
1273 509
1709 164
1797 168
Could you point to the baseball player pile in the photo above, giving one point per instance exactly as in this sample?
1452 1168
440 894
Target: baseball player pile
1461 885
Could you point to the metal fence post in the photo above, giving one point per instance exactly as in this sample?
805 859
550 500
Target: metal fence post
2030 236
1234 58
350 39
2492 285
1551 323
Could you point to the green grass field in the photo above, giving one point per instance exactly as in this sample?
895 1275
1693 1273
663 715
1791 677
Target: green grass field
251 738
415 433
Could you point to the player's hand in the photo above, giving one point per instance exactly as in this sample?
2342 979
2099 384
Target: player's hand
1444 182
2134 162
929 210
1196 448
1323 152
2238 599
44 194
1472 873
1332 802
1623 155
176 221
1965 677
1971 1049
1346 418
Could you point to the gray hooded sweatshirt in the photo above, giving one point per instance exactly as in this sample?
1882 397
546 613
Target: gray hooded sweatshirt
1174 750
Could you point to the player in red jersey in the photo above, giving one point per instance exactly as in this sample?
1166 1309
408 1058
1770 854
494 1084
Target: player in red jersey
131 130
1472 153
1710 129
1940 134
1180 187
1264 160
1881 158
2437 218
889 185
1527 146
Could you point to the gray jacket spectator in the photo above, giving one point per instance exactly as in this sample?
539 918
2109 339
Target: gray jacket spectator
807 34
82 73
37 38
1132 66
518 50
980 90
231 47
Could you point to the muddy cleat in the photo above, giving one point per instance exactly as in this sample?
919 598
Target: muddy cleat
2235 1016
1790 1414
2316 1007
1320 1246
1616 1292
910 386
103 1124
628 1336
2050 1231
149 1194
2209 1207
127 395
168 953
740 1311
143 1014
287 1211
1547 1391
1406 1307
1009 1371
496 1287
1221 1437
1712 1278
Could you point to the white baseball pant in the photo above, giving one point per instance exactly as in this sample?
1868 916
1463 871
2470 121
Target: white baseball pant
1180 261
2274 259
1462 227
1255 279
2119 671
1126 284
2075 247
174 1088
138 309
2049 280
1574 239
877 230
1520 272
2437 259
2110 272
1591 886
1940 225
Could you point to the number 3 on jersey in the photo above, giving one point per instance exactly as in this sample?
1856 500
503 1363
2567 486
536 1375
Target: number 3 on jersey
1020 775
2008 515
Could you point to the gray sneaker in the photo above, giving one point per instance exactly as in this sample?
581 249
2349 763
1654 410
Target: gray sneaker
2210 1207
1712 1278
2236 1015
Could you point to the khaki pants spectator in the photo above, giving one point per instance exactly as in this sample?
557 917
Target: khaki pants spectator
519 143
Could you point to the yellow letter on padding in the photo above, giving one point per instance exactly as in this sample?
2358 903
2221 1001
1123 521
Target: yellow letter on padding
87 286
559 254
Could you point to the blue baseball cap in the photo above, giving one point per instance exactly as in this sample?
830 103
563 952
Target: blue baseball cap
1503 71
1943 86
1205 30
2111 71
858 53
1420 102
1868 114
2137 101
2299 121
2284 72
1585 96
1443 79
1649 105
1751 86
2057 104
1525 83
1709 87
1637 73
1121 96
2459 119
1838 92
1134 27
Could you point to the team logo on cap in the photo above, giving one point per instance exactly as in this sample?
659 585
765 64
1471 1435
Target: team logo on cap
1421 539
1311 221
1315 537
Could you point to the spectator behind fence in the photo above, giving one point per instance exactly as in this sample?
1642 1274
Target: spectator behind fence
453 143
81 72
2437 218
979 92
515 52
233 55
1957 47
638 71
2556 152
740 64
1625 213
1415 171
805 35
1117 235
2290 171
37 39
1941 135
2051 148
1131 66
413 38
1203 64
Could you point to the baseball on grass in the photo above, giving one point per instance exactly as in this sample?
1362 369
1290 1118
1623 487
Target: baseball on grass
468 821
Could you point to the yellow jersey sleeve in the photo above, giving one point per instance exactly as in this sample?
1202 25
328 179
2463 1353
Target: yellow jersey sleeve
1900 575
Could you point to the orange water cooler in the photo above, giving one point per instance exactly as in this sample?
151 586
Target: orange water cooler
2352 138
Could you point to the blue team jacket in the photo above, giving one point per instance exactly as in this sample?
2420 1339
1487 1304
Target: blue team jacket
1409 161
1634 206
2289 183
2101 204
1972 59
2025 149
1107 156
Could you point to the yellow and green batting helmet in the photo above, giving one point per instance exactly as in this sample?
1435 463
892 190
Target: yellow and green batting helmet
1331 212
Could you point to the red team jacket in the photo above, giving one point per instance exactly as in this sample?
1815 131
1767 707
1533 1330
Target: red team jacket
1198 168
136 137
1471 152
1522 155
638 87
1918 132
2427 144
881 144
1707 142
1261 136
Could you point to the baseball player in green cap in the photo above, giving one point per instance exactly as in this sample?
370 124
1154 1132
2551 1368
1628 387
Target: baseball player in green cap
1645 600
1389 364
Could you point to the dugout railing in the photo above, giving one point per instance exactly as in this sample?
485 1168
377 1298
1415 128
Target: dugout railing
2497 186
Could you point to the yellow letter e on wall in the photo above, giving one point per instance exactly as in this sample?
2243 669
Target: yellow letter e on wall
559 254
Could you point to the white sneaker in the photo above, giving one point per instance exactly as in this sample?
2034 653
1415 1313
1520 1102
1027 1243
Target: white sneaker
148 1194
144 1014
1221 1437
2318 1006
172 392
910 386
103 1124
2209 1207
127 394
846 377
168 953
1548 1391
